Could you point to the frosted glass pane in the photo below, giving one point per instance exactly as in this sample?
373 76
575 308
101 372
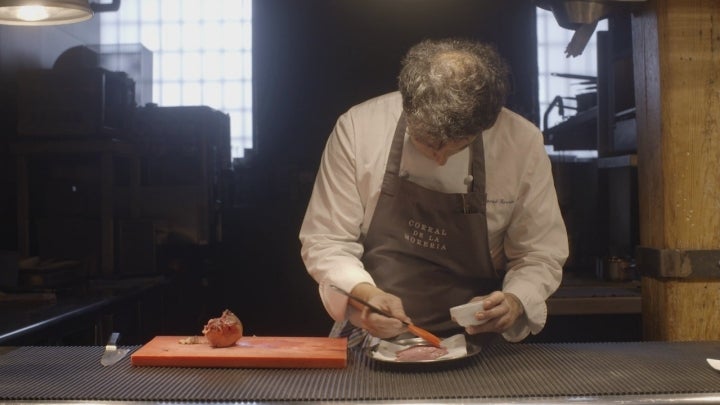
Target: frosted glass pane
233 9
192 93
189 9
170 10
247 96
201 54
241 120
235 36
233 66
170 66
213 94
247 9
213 66
192 36
149 10
247 65
243 35
214 36
233 95
130 10
129 34
110 34
192 66
156 92
171 94
157 73
542 55
110 19
208 11
236 149
543 89
246 128
150 37
170 35
557 63
552 41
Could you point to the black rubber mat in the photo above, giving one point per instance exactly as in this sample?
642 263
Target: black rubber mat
502 370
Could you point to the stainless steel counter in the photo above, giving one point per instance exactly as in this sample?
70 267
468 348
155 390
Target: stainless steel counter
614 373
86 305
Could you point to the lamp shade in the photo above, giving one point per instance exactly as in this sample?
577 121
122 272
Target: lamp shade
44 12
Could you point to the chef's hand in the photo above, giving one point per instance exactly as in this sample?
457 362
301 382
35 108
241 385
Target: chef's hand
376 324
500 310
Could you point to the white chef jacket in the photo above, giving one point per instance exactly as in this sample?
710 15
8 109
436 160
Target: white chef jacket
526 231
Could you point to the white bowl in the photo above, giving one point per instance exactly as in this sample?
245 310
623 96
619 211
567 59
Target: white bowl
464 314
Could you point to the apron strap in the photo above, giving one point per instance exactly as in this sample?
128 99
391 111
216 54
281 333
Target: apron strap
477 166
392 169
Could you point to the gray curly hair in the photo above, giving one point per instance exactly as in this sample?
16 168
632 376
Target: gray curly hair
452 89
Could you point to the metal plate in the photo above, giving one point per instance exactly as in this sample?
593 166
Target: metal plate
372 352
677 263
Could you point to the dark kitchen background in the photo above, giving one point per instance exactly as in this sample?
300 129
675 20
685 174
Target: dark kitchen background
140 222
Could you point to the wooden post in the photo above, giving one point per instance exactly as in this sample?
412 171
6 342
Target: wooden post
676 47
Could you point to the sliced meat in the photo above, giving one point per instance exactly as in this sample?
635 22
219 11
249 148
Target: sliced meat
421 353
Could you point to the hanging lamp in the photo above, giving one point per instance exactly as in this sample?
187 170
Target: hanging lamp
44 12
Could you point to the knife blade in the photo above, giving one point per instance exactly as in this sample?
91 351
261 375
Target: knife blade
112 353
415 330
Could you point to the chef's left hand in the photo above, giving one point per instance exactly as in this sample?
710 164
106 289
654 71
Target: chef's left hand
500 309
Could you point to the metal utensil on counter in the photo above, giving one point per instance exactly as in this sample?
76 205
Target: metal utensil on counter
112 353
415 330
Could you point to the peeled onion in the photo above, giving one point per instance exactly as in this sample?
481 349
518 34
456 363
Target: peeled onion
223 331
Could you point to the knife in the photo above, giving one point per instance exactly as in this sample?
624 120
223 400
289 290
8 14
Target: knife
415 330
112 354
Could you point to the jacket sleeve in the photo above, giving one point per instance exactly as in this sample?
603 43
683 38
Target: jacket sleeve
535 243
331 230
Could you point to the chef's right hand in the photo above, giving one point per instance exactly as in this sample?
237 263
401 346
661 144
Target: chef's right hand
376 324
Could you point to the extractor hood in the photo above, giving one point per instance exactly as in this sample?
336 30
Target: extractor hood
582 17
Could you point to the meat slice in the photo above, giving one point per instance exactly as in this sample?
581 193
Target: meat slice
421 353
223 331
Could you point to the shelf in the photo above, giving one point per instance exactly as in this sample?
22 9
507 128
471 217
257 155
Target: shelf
578 296
612 162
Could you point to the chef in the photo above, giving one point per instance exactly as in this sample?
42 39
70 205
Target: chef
435 196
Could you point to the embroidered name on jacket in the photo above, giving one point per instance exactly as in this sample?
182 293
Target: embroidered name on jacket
500 201
425 236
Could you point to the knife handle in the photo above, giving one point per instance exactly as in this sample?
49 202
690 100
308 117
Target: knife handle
415 330
372 307
112 341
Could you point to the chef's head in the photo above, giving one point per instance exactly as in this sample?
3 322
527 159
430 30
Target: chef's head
452 90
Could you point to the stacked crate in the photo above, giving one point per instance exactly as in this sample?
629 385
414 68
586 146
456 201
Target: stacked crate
105 181
184 151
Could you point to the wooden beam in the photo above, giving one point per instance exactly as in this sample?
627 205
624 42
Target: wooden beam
676 47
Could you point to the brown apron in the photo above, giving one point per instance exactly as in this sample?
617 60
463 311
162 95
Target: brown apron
427 247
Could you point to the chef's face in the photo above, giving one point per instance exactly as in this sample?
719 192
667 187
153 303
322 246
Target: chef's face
441 152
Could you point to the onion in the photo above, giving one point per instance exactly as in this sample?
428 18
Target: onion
223 331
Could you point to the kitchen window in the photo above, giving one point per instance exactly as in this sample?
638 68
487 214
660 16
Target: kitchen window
202 54
552 41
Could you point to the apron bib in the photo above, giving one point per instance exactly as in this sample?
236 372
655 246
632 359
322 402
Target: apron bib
427 247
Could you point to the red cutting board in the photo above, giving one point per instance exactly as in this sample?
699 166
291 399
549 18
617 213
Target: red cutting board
248 352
